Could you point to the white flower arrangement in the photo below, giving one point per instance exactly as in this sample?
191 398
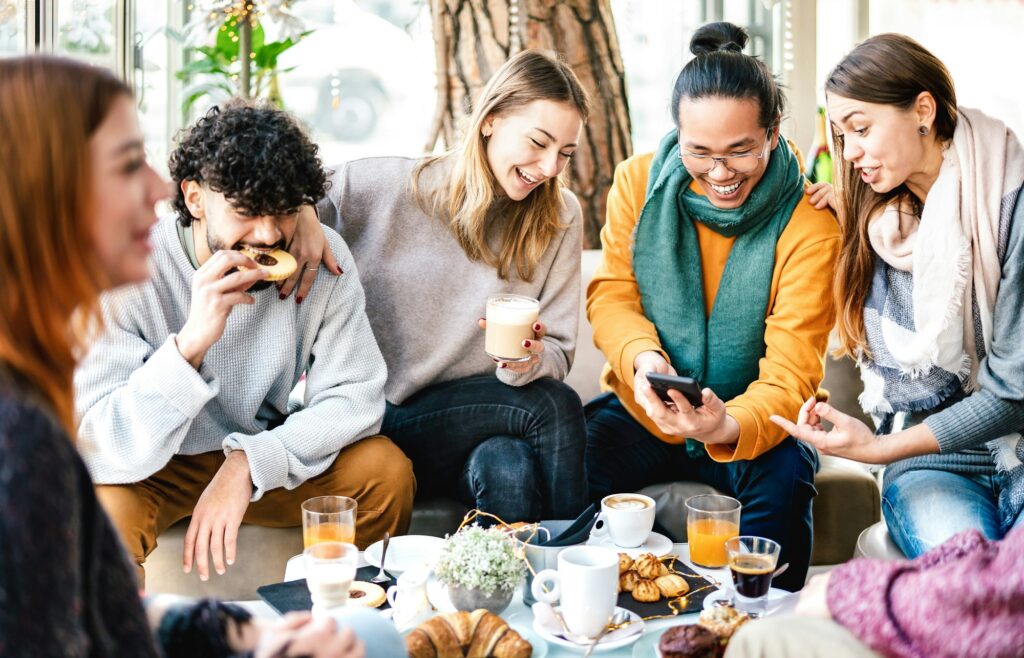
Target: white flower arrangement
482 559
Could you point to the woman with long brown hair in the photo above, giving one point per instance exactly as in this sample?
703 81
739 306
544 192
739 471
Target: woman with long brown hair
76 206
929 290
433 238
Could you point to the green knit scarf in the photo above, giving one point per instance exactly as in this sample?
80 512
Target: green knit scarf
721 351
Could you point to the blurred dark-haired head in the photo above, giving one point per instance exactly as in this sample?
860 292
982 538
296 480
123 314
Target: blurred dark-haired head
720 68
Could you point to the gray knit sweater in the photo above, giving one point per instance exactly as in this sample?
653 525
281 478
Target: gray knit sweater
424 296
963 427
140 402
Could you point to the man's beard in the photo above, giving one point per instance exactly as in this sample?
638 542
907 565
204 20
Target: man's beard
214 244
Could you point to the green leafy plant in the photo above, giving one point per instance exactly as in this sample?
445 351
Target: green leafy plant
217 71
479 558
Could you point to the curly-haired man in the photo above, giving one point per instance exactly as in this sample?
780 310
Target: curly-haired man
185 403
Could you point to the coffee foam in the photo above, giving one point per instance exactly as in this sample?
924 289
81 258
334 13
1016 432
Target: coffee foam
627 502
512 310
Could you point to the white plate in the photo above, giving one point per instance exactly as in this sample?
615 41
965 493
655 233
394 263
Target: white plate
405 552
777 600
656 543
612 640
647 647
540 647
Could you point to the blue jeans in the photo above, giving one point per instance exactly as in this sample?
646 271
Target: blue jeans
775 489
924 508
515 452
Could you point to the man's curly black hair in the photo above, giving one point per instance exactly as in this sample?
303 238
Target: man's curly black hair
256 155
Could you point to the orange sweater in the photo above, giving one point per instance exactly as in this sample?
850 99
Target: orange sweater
800 313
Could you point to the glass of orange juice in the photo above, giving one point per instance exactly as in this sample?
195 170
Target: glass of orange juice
328 518
711 520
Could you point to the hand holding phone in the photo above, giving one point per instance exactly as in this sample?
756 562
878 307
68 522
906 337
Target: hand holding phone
688 386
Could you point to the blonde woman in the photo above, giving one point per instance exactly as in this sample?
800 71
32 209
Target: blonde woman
432 239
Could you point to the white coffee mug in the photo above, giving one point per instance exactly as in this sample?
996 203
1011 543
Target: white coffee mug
408 598
627 517
585 585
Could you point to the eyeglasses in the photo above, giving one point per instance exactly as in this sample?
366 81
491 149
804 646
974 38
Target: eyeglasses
739 163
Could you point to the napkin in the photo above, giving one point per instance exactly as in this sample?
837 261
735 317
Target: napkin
577 532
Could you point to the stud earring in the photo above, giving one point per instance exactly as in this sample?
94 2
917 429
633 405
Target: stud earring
923 130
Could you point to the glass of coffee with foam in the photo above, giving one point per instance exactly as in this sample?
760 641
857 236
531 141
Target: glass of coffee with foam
510 320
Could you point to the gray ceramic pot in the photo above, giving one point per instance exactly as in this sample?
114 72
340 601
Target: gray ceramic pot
469 599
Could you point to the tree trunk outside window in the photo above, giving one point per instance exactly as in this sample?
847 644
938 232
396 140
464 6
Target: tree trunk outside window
474 37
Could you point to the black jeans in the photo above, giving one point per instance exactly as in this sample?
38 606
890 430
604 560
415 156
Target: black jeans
515 452
775 489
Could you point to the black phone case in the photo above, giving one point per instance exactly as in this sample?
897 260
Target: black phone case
661 384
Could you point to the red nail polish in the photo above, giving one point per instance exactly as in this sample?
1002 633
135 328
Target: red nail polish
338 270
283 296
298 300
536 327
526 343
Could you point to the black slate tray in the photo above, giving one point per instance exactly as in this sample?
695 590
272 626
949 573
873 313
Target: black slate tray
293 595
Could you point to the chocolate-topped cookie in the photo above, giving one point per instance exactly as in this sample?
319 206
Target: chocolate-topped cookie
689 641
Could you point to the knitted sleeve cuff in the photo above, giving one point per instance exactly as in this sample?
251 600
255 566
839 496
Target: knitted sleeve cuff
975 420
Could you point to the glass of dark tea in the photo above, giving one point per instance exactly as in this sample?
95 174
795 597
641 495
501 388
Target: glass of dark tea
752 562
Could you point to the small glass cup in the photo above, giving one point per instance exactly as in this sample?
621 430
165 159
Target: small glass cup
711 519
328 518
752 562
330 570
510 320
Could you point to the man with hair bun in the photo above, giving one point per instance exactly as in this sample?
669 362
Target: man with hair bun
716 266
186 405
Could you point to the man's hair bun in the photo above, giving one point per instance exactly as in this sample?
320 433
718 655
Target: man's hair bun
718 36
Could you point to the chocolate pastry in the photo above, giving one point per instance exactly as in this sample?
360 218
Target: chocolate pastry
689 641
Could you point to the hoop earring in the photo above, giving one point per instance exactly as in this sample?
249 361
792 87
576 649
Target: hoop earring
923 130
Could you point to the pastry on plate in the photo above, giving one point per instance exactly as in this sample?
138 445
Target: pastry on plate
723 621
477 634
689 641
366 594
647 566
646 591
672 585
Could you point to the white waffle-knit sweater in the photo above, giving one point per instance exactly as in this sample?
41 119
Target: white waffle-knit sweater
140 402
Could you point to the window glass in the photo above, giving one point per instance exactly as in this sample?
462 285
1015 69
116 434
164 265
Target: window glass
979 71
157 56
363 79
654 37
13 27
85 30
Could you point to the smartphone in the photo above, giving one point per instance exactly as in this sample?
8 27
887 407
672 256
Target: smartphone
688 386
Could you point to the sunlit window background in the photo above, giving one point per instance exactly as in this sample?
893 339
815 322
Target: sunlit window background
362 76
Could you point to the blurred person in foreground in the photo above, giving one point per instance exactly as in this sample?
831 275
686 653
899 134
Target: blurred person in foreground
76 209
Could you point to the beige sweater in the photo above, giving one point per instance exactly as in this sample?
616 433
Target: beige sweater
424 296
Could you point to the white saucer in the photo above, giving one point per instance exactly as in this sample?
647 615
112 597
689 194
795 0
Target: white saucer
779 600
613 640
405 552
656 543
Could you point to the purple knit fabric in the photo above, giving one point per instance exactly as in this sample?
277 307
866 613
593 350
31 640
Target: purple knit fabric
963 598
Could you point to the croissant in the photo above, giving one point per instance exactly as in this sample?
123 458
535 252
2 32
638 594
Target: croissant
477 634
672 585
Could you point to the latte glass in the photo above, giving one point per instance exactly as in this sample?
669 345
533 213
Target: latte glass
510 320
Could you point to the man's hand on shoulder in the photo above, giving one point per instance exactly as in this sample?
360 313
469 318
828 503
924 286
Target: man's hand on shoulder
217 287
217 517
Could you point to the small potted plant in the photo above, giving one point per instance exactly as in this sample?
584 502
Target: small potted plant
481 568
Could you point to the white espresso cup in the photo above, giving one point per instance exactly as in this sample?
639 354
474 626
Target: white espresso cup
586 585
627 517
